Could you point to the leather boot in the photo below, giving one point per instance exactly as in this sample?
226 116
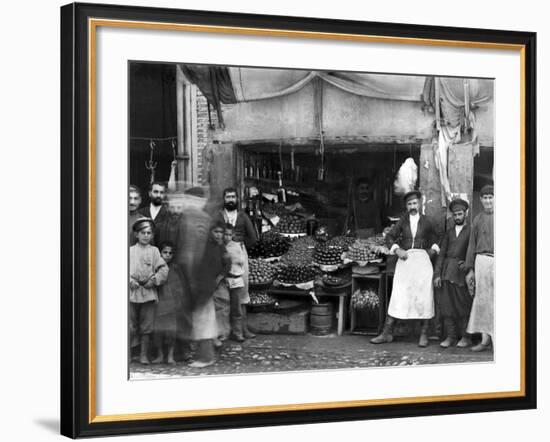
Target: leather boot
423 341
143 356
451 331
246 332
386 336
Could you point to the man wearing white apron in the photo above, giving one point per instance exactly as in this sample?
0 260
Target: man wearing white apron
413 240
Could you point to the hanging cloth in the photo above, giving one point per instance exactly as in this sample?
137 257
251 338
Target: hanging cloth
173 166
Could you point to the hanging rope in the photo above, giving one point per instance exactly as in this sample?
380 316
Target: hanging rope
151 165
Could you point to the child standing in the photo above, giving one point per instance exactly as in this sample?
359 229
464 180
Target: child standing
238 294
147 272
170 298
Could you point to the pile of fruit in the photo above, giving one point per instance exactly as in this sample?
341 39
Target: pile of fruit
362 250
300 252
327 255
270 244
261 297
261 272
342 241
273 209
365 299
295 274
291 224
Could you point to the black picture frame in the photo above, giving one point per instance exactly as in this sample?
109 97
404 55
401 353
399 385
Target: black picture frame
76 418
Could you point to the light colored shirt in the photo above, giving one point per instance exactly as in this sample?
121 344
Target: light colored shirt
458 229
146 264
231 216
413 219
154 210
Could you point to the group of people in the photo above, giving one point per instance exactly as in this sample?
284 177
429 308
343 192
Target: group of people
463 274
188 274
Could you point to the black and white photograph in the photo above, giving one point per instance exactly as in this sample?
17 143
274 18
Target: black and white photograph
289 220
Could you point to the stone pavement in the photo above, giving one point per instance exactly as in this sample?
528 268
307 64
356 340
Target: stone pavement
276 353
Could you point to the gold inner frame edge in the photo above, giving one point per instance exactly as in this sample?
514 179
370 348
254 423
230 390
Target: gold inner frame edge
93 24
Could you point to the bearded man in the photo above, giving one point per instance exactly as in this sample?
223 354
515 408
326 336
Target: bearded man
156 209
244 233
413 240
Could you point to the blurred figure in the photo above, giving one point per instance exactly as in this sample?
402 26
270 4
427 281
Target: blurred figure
366 220
209 272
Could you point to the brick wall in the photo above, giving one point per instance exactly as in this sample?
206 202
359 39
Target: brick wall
204 134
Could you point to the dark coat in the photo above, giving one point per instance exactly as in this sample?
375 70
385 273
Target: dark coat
401 234
160 220
452 253
244 229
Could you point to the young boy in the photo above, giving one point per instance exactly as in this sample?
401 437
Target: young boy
170 297
238 294
147 272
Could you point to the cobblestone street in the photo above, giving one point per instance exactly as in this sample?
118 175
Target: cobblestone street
275 353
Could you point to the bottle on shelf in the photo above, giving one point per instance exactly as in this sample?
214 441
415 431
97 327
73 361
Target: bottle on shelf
281 191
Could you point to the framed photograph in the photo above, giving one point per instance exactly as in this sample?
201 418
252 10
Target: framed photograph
273 220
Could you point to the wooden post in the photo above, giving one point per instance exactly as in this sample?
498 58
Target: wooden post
181 132
461 171
431 187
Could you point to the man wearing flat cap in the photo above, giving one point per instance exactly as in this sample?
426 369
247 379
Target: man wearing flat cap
480 265
413 240
453 299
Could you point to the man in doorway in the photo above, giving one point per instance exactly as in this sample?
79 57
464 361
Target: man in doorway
156 209
452 296
134 201
244 233
366 213
413 240
481 266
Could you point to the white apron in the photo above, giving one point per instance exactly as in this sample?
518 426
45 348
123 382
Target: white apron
482 314
412 293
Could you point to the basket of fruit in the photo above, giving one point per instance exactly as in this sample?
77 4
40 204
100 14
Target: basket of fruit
300 252
292 275
327 256
261 273
269 245
292 225
364 252
260 298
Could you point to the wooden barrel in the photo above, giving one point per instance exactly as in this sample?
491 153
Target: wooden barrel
321 318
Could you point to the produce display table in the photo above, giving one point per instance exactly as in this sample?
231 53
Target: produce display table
381 280
319 292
